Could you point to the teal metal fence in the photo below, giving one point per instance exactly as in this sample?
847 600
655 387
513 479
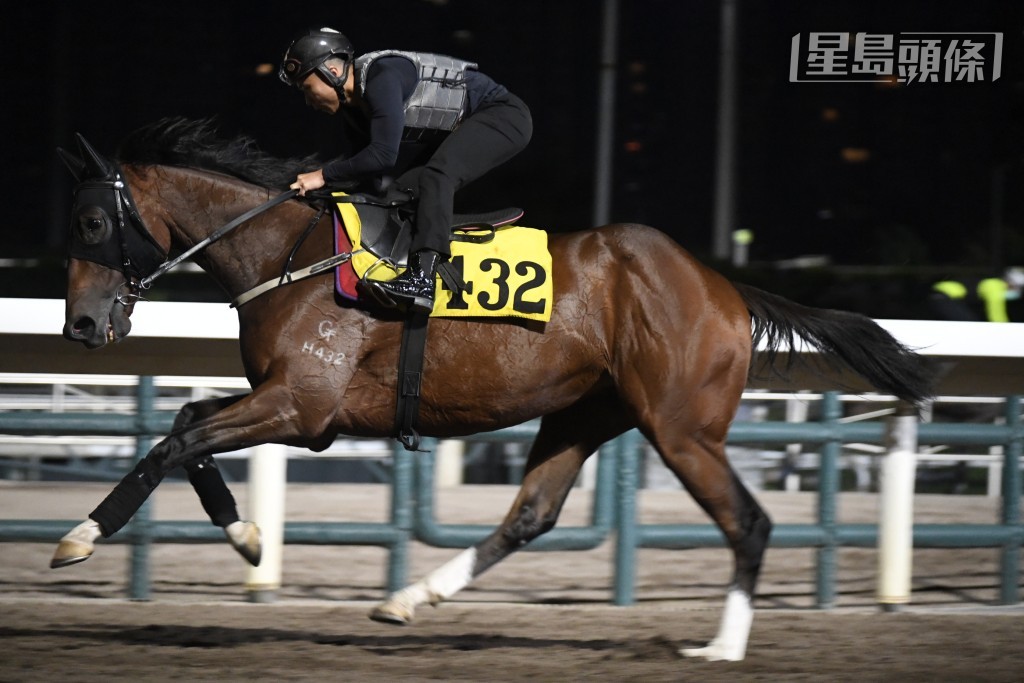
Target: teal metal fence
413 516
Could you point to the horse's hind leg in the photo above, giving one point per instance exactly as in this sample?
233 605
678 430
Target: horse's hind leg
564 442
701 466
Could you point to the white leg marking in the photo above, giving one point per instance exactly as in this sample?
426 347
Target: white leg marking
731 642
453 576
86 533
440 584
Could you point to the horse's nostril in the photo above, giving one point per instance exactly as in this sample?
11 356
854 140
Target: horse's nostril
83 327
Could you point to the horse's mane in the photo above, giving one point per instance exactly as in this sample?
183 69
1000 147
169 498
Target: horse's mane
177 141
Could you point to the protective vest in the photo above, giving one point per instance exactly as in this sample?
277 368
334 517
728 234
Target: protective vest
439 100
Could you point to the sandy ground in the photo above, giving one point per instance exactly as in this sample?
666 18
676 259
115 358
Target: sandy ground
537 616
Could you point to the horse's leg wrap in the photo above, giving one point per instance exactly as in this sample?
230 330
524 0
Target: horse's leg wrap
216 498
109 516
127 497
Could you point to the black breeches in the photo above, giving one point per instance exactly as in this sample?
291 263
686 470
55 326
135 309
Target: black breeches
491 136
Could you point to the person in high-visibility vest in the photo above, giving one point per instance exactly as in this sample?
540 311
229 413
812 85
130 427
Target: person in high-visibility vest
978 300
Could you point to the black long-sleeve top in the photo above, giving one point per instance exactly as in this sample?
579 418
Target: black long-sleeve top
389 83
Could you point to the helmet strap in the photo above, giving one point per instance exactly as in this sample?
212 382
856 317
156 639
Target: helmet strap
336 82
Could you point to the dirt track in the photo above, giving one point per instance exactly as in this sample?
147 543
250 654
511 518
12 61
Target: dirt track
537 617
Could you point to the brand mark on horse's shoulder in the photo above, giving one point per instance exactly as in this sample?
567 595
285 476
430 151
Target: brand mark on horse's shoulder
326 331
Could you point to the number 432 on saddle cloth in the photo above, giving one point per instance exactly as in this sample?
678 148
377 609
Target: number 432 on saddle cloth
508 276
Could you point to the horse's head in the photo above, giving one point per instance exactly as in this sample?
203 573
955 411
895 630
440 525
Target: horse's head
110 251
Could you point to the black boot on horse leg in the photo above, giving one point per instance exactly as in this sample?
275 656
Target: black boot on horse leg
204 475
413 289
243 423
219 504
206 480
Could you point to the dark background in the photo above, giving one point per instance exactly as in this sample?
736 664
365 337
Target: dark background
938 192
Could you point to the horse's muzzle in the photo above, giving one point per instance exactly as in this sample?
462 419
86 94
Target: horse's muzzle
86 330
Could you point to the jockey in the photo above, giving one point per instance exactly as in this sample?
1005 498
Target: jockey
435 120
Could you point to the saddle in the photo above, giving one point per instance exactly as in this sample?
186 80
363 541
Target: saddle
386 224
385 232
384 236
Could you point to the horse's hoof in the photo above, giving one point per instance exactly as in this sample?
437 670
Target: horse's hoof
245 537
714 652
391 613
76 545
71 552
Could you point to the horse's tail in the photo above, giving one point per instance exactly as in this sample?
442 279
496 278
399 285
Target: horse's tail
855 340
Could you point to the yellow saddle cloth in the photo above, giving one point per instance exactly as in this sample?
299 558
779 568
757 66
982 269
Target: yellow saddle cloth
508 276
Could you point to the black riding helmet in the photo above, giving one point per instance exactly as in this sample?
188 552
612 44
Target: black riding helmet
309 51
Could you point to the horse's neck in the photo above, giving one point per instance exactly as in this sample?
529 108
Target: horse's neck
199 203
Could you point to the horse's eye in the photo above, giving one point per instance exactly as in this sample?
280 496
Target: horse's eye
94 225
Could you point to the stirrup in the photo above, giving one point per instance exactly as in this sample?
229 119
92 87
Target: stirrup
395 300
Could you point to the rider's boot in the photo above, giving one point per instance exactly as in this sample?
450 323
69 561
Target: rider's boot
413 289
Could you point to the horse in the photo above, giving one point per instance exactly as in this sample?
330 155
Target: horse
641 335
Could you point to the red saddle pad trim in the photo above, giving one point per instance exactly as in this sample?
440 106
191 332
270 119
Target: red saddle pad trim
345 278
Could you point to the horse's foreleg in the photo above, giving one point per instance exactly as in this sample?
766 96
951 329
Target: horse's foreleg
208 483
258 418
554 462
219 504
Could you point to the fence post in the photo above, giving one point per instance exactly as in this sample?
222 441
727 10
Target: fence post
268 476
402 512
141 529
828 488
1009 591
625 518
449 461
896 516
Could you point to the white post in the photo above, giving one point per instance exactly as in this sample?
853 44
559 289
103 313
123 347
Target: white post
449 463
796 411
896 514
268 468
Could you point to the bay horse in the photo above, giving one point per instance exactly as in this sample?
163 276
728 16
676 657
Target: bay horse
641 335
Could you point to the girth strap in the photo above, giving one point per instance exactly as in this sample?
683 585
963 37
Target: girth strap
410 377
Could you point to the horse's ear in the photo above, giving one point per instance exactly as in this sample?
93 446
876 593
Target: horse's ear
95 164
74 164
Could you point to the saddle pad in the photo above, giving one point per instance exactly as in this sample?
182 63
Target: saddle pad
509 276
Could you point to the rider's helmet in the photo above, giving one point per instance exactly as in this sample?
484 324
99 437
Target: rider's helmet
309 51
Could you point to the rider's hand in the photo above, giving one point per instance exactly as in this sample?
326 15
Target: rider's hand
305 182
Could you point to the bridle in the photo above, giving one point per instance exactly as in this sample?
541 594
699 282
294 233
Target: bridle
139 257
113 233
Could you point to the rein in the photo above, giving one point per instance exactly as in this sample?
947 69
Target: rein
147 282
